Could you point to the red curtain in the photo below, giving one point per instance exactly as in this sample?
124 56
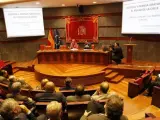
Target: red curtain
82 28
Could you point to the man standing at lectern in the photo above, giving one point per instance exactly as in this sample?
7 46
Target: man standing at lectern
117 53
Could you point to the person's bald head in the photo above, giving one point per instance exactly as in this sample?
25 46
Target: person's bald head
16 87
104 87
43 83
12 78
4 73
54 110
79 91
49 87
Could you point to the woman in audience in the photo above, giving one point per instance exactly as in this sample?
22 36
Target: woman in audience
79 95
67 82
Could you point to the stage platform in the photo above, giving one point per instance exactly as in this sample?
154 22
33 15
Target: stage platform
80 73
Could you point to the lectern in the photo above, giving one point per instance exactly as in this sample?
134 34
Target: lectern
129 52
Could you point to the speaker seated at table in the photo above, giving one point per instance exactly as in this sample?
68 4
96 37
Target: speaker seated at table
87 45
74 44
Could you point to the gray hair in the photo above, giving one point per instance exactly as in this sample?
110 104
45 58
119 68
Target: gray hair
7 107
16 87
54 109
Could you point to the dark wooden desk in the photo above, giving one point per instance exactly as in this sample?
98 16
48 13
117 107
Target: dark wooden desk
69 56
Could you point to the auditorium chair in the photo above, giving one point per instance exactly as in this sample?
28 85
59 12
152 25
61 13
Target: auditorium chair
156 96
140 84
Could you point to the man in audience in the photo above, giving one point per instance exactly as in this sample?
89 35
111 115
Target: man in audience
101 93
23 83
11 110
4 73
53 112
113 110
153 83
68 82
43 83
16 89
51 95
79 95
117 53
3 80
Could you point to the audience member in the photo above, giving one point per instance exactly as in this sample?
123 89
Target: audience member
51 95
23 83
79 95
4 73
102 92
153 83
43 83
3 80
67 82
53 112
11 110
113 110
16 89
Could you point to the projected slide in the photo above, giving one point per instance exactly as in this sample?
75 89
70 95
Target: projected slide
141 17
21 22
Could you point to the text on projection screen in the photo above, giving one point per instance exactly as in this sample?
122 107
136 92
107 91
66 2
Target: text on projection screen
141 17
21 22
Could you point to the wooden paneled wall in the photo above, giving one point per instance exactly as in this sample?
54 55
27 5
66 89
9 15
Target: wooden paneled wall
110 19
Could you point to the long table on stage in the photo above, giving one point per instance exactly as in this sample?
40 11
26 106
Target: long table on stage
78 56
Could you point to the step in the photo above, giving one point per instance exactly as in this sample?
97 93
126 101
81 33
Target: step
108 72
117 79
111 76
15 70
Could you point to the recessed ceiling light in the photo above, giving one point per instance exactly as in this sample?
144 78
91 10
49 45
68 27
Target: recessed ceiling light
94 2
37 3
63 5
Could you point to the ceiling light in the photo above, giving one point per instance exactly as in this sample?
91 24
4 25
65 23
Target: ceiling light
63 5
37 3
94 2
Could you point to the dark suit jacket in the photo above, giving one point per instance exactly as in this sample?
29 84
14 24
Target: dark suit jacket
99 117
49 96
118 52
17 97
78 98
66 88
42 117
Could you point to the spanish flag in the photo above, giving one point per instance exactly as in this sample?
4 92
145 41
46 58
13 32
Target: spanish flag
51 38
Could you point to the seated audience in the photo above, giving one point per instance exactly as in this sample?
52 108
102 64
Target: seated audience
50 94
43 83
87 45
73 44
153 83
16 89
11 110
53 112
67 82
117 53
113 110
79 95
102 92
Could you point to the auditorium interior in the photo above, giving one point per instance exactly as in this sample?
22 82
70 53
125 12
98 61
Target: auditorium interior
90 35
